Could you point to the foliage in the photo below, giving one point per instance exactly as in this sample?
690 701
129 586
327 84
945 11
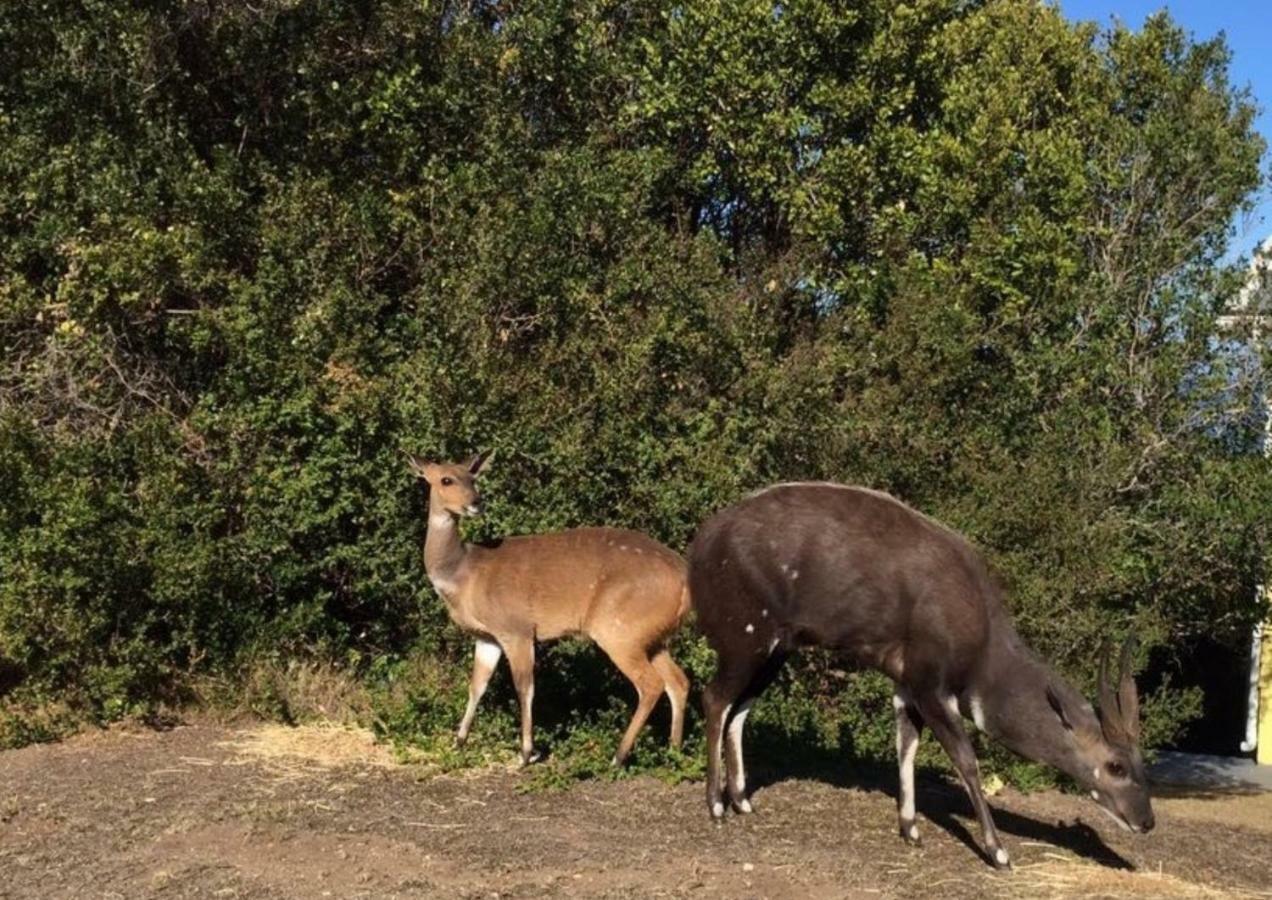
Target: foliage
658 256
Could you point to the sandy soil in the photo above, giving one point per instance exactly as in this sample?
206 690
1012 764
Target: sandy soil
265 812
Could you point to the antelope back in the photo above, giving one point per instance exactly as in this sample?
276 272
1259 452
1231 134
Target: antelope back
846 568
578 581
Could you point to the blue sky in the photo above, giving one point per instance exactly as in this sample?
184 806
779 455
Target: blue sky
1247 25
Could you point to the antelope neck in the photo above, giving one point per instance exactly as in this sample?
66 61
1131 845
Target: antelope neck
1014 688
443 550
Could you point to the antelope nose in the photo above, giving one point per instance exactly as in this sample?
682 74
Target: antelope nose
1149 824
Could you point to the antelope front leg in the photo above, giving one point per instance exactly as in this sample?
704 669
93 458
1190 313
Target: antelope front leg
949 731
908 726
485 658
521 661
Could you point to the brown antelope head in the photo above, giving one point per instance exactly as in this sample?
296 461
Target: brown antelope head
452 486
1108 761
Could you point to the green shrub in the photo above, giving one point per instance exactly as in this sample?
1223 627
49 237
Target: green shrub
249 255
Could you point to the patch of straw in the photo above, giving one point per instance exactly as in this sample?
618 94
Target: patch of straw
1066 877
317 747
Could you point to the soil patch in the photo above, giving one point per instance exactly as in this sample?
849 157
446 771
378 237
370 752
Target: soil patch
267 812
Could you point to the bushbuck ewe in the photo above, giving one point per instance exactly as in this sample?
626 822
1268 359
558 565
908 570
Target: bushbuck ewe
620 588
862 574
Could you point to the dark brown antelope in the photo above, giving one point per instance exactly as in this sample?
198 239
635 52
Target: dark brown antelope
622 589
862 574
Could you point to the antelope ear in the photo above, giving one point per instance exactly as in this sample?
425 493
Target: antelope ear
1057 706
478 462
1127 694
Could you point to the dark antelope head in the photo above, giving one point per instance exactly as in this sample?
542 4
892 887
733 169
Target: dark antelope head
452 486
1108 761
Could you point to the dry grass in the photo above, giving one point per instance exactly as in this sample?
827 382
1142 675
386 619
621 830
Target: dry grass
318 747
1225 808
1062 876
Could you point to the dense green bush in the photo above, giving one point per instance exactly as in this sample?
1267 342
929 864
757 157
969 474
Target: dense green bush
658 256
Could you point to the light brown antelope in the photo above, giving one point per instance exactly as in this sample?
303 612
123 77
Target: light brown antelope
620 588
864 575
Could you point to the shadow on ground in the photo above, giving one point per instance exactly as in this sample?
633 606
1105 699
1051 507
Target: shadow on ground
938 799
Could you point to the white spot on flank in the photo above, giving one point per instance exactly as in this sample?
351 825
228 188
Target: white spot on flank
773 645
794 574
1095 795
764 614
1095 773
749 628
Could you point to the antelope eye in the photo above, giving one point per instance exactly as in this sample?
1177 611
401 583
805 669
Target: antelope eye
1117 770
448 481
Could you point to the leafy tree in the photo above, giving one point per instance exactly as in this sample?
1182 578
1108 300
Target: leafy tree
658 255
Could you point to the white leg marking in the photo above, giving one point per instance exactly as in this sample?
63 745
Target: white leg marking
978 712
671 698
717 808
735 726
951 703
1000 856
907 749
486 655
488 652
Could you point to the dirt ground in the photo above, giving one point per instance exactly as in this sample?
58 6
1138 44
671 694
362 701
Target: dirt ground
267 812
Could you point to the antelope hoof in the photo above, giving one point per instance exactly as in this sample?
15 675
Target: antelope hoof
910 833
742 805
717 810
461 739
1000 858
529 759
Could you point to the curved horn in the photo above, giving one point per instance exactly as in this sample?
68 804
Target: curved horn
1127 695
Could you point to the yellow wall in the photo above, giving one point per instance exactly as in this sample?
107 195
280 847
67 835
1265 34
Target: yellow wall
1263 752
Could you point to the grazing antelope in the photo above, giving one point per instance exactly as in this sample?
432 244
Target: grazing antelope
622 589
862 574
